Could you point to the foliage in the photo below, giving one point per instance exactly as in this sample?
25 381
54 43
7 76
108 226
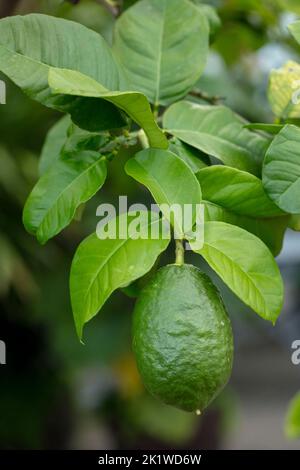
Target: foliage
292 425
246 195
256 190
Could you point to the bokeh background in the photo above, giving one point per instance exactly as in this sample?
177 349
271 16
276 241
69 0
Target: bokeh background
58 394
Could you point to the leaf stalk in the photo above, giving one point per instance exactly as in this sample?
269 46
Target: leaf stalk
179 252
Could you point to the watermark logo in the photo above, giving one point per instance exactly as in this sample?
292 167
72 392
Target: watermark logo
137 222
296 354
2 353
2 92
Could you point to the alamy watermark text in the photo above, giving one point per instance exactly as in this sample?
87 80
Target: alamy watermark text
296 353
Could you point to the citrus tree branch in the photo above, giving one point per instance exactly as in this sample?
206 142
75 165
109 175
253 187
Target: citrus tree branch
204 96
8 8
113 6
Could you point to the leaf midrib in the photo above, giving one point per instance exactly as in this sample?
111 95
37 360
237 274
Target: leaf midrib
160 46
288 189
107 259
266 310
221 140
156 181
13 52
66 188
257 196
142 116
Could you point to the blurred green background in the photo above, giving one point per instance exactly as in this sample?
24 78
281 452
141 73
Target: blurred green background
58 394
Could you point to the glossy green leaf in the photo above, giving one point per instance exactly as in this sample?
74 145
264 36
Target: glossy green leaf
135 104
170 181
217 131
100 266
211 14
281 170
270 230
195 159
151 36
272 129
236 190
292 423
79 139
30 44
295 28
53 201
54 143
295 222
246 265
284 91
65 138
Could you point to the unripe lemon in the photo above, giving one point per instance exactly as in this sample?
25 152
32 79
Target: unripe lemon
182 338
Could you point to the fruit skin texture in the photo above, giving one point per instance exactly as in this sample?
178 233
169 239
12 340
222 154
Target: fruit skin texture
182 338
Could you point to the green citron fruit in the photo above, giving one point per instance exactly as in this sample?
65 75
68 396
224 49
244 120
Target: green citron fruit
182 338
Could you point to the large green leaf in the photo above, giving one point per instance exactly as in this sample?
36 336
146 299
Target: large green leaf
212 16
272 129
101 266
30 44
292 423
53 144
246 265
217 131
295 28
53 201
295 222
195 159
79 139
283 91
271 230
153 38
135 104
281 170
65 139
170 181
236 190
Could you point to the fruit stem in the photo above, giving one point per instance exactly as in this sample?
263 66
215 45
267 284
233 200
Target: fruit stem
179 253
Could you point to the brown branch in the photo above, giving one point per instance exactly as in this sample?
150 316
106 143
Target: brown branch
8 7
114 7
110 7
205 97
